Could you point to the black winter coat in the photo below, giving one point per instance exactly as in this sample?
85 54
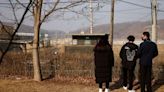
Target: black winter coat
129 50
146 52
104 61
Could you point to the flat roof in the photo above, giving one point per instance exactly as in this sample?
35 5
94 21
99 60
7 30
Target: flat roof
88 34
24 34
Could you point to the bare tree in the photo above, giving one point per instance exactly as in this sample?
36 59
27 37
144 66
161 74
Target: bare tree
37 23
39 18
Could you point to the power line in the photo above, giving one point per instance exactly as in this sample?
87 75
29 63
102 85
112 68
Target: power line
64 2
135 4
85 1
106 11
147 7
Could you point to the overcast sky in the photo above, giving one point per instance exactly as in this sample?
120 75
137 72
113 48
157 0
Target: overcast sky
67 21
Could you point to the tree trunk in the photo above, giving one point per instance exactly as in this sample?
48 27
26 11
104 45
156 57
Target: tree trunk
36 61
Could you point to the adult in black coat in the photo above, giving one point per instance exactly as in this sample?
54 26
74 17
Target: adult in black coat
146 52
104 61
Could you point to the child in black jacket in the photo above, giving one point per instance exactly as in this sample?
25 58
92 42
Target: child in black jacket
128 54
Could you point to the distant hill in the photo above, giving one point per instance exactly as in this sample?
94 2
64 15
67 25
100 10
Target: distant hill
122 30
29 29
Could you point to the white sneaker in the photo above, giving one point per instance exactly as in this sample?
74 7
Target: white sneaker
131 90
100 90
106 90
125 88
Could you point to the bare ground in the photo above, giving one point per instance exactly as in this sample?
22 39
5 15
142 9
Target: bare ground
52 86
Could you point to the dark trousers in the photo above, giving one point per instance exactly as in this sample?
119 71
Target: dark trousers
145 78
107 85
128 75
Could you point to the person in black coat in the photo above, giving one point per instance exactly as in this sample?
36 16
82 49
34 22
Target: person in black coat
128 54
104 61
146 52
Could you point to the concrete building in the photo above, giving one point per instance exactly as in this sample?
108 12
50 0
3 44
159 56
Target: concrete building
83 43
22 41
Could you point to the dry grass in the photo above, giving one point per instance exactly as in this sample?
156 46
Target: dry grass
71 72
65 65
53 86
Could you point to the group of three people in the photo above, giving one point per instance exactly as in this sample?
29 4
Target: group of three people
130 52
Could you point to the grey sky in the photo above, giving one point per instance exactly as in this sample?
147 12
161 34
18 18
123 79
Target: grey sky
68 21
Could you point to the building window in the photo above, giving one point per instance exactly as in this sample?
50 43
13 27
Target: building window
87 42
74 42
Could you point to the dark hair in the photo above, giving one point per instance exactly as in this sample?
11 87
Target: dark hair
147 34
106 36
131 38
103 40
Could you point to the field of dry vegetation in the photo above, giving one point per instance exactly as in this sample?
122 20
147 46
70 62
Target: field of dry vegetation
64 72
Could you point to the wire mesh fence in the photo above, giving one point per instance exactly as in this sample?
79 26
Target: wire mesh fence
65 64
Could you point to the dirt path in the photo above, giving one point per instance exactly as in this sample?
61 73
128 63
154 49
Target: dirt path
50 86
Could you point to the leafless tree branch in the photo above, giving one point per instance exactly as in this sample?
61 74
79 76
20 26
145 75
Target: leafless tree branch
14 12
23 5
4 28
79 13
52 10
17 28
73 4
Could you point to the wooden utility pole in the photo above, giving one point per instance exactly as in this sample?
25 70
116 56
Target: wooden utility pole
91 17
111 23
154 20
